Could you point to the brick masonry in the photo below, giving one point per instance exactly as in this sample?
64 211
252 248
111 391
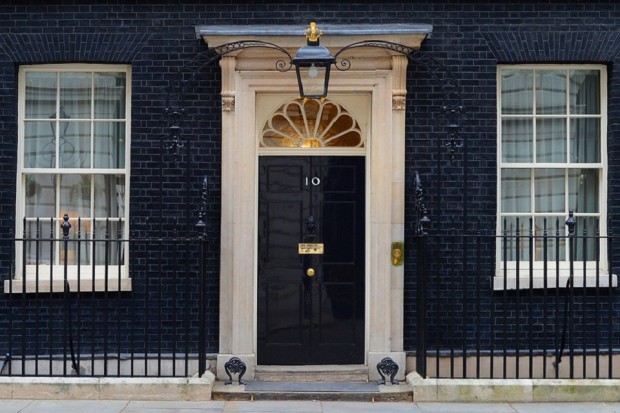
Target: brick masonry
157 39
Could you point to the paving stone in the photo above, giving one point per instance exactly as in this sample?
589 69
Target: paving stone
348 407
465 408
13 406
564 407
273 406
75 406
174 407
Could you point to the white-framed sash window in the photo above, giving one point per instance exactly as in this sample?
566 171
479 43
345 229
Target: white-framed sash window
552 159
73 160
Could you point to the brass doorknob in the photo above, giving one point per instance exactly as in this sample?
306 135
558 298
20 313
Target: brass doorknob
310 272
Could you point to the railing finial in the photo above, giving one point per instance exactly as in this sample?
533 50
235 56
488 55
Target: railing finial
570 223
66 226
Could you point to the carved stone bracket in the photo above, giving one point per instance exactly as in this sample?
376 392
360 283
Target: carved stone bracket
235 366
387 368
228 84
399 91
228 101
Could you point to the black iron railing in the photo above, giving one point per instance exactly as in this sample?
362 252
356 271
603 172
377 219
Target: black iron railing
530 302
102 305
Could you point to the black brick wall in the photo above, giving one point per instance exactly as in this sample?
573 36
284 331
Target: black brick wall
157 38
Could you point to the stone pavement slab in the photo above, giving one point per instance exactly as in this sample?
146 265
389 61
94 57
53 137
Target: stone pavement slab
74 406
13 406
273 407
431 407
378 407
560 407
173 407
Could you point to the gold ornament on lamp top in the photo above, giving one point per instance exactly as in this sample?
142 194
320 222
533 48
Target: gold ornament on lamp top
313 33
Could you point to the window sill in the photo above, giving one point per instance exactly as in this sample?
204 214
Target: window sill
592 280
17 286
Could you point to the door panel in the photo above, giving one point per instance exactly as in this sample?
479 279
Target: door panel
316 319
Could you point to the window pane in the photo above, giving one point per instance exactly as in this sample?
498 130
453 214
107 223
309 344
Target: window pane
517 92
553 244
40 252
515 241
585 92
549 187
516 190
551 140
109 196
74 147
39 145
550 92
109 145
583 189
40 196
585 140
40 95
75 196
110 96
75 95
586 243
109 252
75 250
83 227
517 140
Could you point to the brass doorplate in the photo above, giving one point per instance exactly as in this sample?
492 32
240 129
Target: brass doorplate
311 248
398 253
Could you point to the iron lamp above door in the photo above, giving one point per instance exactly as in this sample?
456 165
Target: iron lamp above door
312 65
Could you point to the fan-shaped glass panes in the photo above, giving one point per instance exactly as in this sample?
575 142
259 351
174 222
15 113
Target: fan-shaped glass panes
311 123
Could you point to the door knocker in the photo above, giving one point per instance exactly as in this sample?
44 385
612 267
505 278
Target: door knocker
311 227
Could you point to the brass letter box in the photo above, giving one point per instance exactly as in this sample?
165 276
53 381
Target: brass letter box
310 248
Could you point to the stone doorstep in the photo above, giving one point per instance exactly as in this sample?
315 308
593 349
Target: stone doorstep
400 393
513 390
312 373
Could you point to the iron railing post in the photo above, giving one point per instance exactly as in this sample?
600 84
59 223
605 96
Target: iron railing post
421 298
421 222
567 328
201 227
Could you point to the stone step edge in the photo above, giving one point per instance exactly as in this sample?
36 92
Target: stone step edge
400 393
105 388
513 390
312 373
322 396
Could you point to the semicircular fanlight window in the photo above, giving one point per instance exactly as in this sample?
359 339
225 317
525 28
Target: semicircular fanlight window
311 123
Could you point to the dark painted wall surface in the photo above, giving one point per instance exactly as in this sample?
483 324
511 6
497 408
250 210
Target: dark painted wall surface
157 38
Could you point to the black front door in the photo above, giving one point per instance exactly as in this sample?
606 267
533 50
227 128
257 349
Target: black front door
311 245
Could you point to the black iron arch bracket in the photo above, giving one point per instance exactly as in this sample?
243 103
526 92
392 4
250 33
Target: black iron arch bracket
452 106
174 111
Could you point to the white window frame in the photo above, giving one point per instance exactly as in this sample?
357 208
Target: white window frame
513 275
48 277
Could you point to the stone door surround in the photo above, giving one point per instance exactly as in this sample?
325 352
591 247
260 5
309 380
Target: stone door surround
251 73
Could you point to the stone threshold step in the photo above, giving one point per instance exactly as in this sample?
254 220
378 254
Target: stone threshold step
343 391
305 373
